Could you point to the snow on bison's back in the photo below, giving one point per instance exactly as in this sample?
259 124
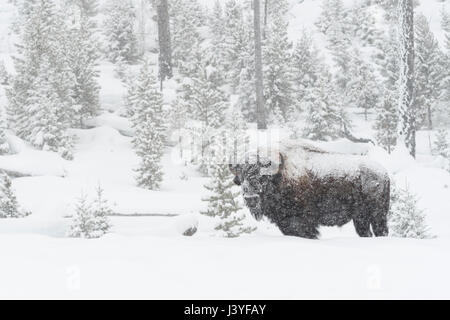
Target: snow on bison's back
310 187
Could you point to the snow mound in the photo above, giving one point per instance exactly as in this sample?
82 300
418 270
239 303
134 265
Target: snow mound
30 162
112 120
185 223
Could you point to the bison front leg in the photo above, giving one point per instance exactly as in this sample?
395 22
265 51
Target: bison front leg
298 227
362 227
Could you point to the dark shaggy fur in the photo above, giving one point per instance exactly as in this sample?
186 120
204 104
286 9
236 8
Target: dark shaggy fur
299 206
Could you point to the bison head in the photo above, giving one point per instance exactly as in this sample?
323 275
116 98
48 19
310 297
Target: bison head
257 180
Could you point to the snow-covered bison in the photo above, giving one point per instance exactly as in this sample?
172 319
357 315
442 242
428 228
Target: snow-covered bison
306 187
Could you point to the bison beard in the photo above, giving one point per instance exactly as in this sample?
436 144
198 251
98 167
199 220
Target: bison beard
298 206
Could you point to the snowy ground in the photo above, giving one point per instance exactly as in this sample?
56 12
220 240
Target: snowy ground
146 257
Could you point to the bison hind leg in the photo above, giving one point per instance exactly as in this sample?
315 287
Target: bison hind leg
362 227
380 225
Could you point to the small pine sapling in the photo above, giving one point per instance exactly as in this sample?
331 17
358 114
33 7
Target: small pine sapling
9 206
91 218
223 203
406 219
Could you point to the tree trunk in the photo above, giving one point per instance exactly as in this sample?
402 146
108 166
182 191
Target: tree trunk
260 109
407 114
430 119
165 48
266 12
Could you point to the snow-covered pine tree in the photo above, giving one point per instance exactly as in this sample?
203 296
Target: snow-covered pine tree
90 219
362 88
149 125
223 202
442 144
240 47
445 24
429 72
42 72
387 122
119 31
236 134
278 84
389 63
246 94
88 7
4 75
406 219
333 11
47 127
334 23
4 145
363 23
238 44
208 106
101 210
186 16
84 57
306 65
217 25
9 206
325 116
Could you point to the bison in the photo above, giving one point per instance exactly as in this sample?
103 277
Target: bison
307 187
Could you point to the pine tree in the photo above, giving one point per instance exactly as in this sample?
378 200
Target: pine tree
84 59
4 146
186 16
47 129
101 211
119 32
278 86
237 43
223 203
363 21
445 24
334 23
362 88
9 206
4 75
306 66
390 64
429 72
148 123
88 7
333 11
236 134
217 26
387 122
325 116
442 144
406 219
90 219
246 94
42 72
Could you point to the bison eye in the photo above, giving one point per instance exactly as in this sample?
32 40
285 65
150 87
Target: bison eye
237 181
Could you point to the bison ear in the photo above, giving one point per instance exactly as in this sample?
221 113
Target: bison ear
282 164
234 168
